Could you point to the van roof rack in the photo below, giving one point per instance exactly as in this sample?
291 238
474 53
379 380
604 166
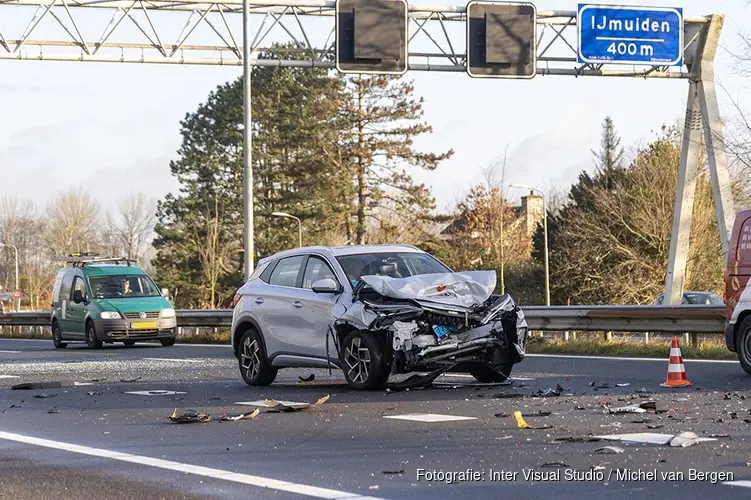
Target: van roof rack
81 259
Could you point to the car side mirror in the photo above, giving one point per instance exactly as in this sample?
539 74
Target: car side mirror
77 296
326 285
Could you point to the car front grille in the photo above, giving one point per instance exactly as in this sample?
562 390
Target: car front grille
135 315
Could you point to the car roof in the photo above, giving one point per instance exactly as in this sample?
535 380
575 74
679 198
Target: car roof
111 270
337 251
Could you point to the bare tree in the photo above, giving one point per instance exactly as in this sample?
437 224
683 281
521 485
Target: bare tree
216 248
134 225
73 222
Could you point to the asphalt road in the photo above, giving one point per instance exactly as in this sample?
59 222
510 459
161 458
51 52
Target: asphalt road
91 438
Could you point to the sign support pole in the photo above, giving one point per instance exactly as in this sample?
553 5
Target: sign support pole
702 115
714 139
247 147
684 199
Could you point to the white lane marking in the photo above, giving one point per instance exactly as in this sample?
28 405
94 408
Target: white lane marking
429 417
177 359
261 482
743 484
11 352
8 376
156 392
616 358
263 403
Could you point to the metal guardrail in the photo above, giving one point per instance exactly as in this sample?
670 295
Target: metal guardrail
651 319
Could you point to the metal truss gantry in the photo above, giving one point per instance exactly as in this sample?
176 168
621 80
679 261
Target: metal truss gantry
235 32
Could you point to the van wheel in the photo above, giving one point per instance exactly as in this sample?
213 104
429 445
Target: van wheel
364 360
254 365
57 337
167 342
91 339
744 344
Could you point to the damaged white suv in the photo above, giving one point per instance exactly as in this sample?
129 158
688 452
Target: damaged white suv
373 311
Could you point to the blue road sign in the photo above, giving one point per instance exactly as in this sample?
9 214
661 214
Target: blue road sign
630 35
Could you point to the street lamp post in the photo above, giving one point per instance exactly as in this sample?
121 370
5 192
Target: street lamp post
545 230
299 224
18 299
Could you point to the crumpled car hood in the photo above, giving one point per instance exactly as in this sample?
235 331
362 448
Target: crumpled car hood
465 289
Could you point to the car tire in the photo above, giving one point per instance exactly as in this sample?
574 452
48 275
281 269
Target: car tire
129 342
485 374
364 360
91 338
744 344
254 365
57 337
167 342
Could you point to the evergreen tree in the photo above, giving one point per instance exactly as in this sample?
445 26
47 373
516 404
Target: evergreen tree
200 230
380 119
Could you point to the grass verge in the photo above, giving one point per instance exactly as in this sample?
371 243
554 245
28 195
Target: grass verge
708 349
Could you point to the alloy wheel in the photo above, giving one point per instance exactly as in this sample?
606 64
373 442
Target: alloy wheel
251 362
357 359
747 347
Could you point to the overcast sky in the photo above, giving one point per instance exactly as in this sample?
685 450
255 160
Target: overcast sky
115 127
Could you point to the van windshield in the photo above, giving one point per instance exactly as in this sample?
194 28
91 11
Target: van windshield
124 286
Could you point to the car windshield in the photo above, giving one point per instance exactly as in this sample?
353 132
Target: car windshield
393 264
123 286
703 298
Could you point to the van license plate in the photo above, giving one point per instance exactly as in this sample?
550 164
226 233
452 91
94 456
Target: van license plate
143 325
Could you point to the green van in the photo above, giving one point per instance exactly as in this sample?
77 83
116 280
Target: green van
99 300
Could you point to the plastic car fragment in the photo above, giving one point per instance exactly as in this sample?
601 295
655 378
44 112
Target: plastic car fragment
189 417
241 416
276 406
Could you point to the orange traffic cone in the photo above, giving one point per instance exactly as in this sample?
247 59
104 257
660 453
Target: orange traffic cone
676 370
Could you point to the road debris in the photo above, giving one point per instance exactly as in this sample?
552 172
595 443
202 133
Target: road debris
189 417
92 394
278 406
36 385
655 426
648 405
154 393
688 438
524 425
627 409
548 392
538 413
124 380
609 450
241 416
682 439
309 378
641 421
623 385
501 415
554 464
573 439
53 410
508 395
45 396
391 472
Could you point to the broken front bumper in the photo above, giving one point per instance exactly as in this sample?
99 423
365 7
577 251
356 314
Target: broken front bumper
507 336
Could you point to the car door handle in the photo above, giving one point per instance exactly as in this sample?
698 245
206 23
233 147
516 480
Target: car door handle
297 304
259 300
